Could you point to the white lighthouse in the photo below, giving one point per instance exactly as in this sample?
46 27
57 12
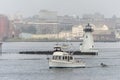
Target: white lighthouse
87 46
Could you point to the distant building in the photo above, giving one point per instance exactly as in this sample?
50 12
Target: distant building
93 17
77 31
44 36
25 35
105 37
4 27
66 22
65 35
46 15
117 30
101 30
45 27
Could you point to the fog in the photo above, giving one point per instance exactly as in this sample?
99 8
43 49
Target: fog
63 7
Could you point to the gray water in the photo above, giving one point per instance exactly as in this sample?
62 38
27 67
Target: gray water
14 66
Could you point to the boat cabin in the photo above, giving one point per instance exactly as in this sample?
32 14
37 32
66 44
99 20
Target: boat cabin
62 56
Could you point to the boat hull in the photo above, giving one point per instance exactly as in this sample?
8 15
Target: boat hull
66 64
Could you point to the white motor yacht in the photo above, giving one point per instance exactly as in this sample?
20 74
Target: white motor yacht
61 59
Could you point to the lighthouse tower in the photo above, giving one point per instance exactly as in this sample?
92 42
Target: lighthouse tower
87 47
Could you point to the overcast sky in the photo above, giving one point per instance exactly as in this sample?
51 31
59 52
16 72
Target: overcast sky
63 7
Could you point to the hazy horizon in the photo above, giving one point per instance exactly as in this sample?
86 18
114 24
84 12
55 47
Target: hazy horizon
64 7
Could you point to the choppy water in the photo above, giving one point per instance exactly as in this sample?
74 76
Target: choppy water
14 66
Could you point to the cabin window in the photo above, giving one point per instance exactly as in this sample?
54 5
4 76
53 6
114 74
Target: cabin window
71 58
65 57
59 57
54 57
